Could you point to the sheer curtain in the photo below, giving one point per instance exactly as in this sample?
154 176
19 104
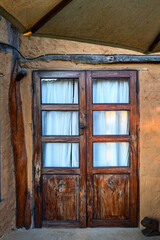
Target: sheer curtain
110 91
110 122
60 91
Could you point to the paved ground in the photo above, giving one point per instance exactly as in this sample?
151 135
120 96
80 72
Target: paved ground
78 234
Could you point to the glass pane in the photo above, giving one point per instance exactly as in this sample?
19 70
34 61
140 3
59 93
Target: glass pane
110 154
60 123
110 122
60 154
111 90
64 91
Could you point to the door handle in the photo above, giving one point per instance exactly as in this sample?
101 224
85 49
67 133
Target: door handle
82 127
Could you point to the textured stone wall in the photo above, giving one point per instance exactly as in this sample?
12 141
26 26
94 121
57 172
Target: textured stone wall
149 108
8 204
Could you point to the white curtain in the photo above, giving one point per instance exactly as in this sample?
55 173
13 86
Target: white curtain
58 91
110 154
59 122
110 91
110 122
60 154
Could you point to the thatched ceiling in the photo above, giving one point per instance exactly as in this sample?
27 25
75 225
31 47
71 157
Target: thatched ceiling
133 24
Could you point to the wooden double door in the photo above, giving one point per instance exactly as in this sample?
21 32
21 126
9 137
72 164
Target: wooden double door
85 148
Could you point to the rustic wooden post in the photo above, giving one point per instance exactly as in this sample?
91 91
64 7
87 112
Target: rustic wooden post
23 208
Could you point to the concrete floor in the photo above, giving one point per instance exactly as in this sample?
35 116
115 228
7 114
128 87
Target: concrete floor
78 234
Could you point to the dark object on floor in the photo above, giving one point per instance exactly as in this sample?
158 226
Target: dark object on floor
151 227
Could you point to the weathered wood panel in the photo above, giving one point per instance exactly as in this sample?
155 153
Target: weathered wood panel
113 206
111 107
111 196
111 210
133 151
67 139
66 208
82 153
23 207
28 212
61 197
111 138
37 164
60 171
95 58
62 107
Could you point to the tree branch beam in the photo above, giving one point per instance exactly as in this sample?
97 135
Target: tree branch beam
96 58
23 203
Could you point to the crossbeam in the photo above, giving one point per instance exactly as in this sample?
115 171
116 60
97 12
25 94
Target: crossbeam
96 58
85 58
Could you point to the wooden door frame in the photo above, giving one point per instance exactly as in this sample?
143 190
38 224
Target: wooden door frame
37 166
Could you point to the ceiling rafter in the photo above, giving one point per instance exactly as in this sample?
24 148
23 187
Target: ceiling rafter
154 43
47 17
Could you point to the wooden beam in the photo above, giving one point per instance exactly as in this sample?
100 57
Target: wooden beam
96 58
48 16
23 205
86 58
154 43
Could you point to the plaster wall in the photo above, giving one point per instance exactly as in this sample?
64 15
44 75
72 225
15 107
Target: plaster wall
8 203
149 108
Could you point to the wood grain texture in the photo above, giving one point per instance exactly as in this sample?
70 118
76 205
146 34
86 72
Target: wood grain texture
28 212
67 207
37 164
133 151
60 107
111 196
61 197
111 170
94 58
89 149
82 154
113 204
111 107
62 139
61 170
111 138
59 74
96 216
23 207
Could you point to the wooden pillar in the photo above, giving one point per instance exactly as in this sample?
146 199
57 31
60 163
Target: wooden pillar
23 205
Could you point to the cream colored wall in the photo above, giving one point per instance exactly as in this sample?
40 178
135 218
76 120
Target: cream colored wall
8 205
149 106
